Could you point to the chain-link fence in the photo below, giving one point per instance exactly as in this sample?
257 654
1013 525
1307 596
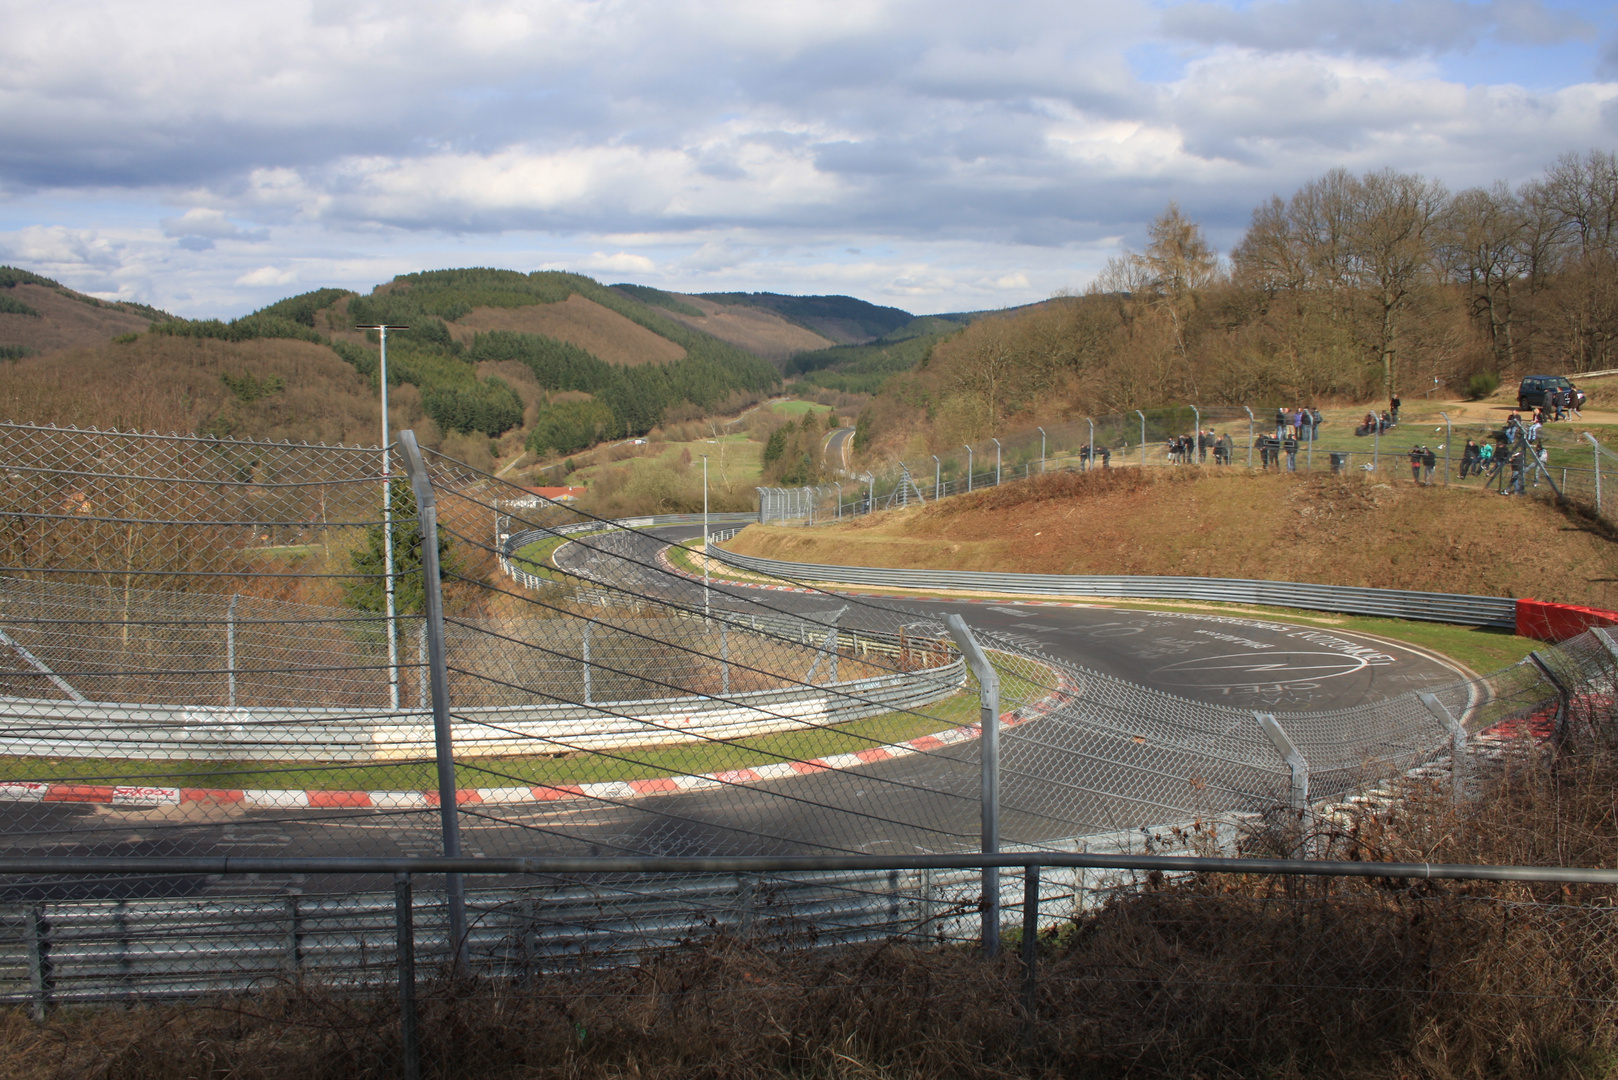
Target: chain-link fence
1557 458
235 651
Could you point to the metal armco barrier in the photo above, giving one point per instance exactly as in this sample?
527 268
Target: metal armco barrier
1344 599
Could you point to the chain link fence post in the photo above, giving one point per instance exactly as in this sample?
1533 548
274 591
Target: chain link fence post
438 677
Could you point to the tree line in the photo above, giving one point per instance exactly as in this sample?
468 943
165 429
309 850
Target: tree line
1353 287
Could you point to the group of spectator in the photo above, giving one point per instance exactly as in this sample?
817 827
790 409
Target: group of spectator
1516 452
1298 423
1559 405
1200 447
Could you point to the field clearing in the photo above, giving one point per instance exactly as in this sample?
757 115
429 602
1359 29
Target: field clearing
578 321
754 329
1338 530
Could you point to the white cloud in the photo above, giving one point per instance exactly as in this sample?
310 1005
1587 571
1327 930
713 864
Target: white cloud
968 150
267 275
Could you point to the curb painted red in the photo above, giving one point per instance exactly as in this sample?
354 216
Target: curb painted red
610 791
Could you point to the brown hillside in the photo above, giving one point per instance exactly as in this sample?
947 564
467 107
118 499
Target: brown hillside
761 332
582 322
161 383
64 322
1347 530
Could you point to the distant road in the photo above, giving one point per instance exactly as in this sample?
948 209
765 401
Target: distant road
837 448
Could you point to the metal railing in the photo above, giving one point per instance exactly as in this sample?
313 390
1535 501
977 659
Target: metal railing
1390 603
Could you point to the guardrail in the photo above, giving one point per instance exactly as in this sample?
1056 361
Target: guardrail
65 951
1343 599
508 544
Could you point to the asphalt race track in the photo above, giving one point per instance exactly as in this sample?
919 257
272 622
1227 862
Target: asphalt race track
913 804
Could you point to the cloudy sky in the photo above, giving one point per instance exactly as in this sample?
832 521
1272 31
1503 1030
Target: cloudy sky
209 158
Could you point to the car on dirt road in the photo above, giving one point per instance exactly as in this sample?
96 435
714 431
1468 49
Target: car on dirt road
1534 388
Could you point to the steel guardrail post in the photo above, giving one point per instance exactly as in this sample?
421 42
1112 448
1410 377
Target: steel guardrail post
36 931
438 677
1030 951
405 938
989 788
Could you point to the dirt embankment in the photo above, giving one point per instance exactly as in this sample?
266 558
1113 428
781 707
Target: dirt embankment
1339 530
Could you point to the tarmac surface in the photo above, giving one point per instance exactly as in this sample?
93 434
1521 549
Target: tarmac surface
921 803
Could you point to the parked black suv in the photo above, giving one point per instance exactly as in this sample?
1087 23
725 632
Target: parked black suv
1532 391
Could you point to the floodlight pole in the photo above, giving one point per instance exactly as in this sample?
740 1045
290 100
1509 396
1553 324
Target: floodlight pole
1041 450
1249 436
1196 442
968 466
387 519
1090 461
938 476
989 745
1142 437
996 461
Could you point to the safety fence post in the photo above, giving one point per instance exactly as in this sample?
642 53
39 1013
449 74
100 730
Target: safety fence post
405 937
1459 759
1297 766
438 678
36 932
989 788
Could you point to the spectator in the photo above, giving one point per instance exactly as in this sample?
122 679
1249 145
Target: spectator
1469 459
1314 423
1429 461
1517 461
1106 457
1393 408
1290 445
1555 399
1415 464
1573 404
1280 420
1226 446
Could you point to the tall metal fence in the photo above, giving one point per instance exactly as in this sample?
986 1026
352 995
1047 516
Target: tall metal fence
199 661
1560 458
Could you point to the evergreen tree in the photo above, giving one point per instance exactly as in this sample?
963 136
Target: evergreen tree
368 592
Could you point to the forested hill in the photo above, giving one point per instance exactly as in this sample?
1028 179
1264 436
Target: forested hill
554 359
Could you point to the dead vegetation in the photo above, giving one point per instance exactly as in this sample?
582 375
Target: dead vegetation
1330 529
1210 976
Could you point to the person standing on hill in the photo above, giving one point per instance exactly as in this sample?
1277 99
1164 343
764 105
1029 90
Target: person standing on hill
1415 464
1393 407
1429 461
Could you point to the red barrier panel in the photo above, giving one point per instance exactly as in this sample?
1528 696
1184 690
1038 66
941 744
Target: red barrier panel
1558 622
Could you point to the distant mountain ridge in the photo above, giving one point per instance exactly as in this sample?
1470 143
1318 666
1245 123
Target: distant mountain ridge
845 320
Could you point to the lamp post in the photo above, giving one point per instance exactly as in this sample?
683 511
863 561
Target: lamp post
1142 437
387 518
1249 436
1041 451
996 461
938 476
968 466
